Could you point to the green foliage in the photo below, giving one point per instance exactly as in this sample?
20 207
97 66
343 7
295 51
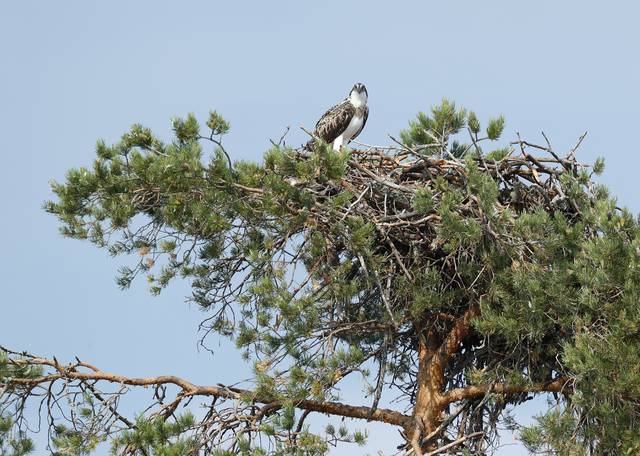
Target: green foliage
423 201
217 124
139 136
445 120
557 279
15 368
14 441
556 433
326 164
13 444
473 122
69 442
495 128
498 154
158 437
186 130
343 434
431 134
598 166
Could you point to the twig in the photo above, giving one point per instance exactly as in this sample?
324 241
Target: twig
279 143
455 443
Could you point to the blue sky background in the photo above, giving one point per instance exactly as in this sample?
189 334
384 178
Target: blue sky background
75 71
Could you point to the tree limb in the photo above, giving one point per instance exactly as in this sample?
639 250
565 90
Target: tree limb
475 391
189 389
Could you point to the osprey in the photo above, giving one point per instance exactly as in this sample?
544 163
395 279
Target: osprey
344 121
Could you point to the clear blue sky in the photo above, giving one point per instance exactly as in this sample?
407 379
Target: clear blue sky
76 71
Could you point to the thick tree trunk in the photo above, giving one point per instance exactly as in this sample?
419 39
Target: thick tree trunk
434 354
427 412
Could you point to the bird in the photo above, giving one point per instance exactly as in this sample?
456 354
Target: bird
344 121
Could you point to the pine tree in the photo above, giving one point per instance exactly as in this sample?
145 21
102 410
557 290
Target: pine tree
464 281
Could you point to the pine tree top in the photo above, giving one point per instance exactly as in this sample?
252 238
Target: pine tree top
441 272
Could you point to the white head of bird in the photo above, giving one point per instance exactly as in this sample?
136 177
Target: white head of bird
358 95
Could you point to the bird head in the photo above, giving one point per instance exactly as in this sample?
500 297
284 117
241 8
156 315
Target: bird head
358 95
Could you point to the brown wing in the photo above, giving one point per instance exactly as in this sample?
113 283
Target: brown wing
334 121
365 116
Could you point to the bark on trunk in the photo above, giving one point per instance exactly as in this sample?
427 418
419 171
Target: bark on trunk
427 412
434 354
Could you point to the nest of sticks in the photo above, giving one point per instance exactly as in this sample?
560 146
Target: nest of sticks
384 181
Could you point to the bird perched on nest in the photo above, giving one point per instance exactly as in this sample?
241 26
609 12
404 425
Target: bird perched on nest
344 121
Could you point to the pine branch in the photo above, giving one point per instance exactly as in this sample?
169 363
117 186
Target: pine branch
188 390
557 385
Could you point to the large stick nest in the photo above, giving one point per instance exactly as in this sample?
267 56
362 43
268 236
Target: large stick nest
385 183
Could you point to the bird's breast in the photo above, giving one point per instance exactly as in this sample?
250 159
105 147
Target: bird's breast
354 126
